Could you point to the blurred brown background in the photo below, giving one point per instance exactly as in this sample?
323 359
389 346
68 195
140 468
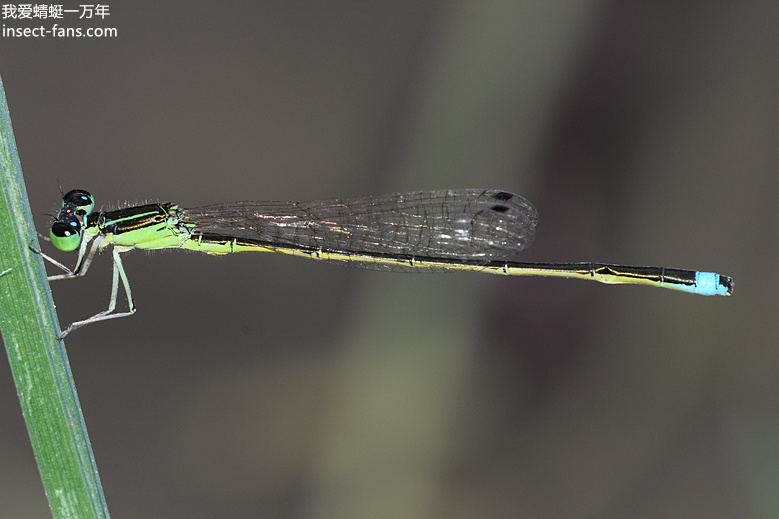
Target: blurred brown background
267 386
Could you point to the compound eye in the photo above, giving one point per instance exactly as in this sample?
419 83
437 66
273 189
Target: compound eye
65 236
80 200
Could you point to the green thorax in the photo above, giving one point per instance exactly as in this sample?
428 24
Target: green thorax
151 226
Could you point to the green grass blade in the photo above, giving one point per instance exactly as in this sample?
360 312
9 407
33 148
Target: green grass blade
37 358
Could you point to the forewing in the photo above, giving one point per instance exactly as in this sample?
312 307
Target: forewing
456 224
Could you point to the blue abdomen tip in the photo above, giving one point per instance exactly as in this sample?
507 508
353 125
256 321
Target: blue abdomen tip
712 284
